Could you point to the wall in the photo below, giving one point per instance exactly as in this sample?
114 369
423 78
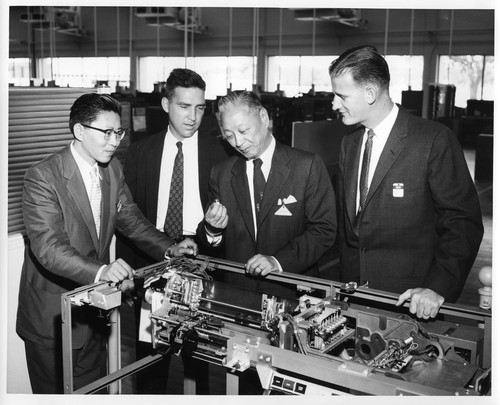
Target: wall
17 381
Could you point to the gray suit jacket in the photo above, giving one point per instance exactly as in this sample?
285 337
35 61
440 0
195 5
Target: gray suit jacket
297 240
425 235
64 251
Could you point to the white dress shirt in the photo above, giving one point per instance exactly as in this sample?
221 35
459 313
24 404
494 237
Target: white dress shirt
382 132
192 210
85 169
267 158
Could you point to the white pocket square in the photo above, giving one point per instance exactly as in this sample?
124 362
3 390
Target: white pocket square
289 200
283 211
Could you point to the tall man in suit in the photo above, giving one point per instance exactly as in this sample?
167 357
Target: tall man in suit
73 201
150 162
150 174
410 220
273 206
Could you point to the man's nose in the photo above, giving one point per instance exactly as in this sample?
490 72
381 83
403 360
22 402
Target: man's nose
113 141
238 140
335 103
192 114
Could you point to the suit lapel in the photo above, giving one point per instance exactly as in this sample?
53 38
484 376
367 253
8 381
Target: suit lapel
277 177
105 212
239 183
352 157
76 188
390 153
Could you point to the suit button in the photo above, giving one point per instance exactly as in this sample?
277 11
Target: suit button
363 250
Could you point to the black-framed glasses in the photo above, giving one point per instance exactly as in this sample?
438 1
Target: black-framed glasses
108 132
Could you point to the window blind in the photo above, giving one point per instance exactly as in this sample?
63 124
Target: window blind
38 127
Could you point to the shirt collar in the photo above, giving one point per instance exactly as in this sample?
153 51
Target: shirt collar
82 164
267 155
172 140
385 127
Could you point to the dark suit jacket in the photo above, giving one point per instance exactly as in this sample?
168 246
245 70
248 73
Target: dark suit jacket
64 251
297 241
142 174
430 236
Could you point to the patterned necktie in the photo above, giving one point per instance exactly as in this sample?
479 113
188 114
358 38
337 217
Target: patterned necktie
95 198
173 220
365 168
259 184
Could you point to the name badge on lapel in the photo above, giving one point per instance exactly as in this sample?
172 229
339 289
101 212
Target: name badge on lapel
398 190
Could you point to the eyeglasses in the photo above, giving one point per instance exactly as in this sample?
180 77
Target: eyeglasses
108 132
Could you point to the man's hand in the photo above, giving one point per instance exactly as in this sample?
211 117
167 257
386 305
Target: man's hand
185 247
216 217
127 287
424 303
261 265
117 272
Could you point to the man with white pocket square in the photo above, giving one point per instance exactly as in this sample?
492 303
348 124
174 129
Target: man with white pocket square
273 206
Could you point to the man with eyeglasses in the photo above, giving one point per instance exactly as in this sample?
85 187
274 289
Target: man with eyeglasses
73 201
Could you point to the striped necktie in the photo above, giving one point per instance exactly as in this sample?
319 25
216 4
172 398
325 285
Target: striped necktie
173 220
95 198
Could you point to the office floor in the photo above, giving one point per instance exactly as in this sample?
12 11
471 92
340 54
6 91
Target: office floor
329 269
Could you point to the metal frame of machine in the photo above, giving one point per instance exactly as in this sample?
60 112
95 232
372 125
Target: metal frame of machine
334 340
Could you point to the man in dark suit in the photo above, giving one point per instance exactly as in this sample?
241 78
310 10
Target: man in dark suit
73 201
150 161
284 222
150 174
410 220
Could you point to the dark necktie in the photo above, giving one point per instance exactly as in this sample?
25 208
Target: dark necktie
173 220
363 178
259 184
365 169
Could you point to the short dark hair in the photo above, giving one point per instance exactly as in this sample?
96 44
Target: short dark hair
88 106
183 78
247 98
365 64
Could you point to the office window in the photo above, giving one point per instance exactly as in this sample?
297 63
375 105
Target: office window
85 72
217 71
405 72
296 73
19 71
472 76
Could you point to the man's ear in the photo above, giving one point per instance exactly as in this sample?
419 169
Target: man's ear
78 131
371 93
164 104
264 116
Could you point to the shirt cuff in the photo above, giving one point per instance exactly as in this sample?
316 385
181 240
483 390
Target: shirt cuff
280 269
99 272
213 239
